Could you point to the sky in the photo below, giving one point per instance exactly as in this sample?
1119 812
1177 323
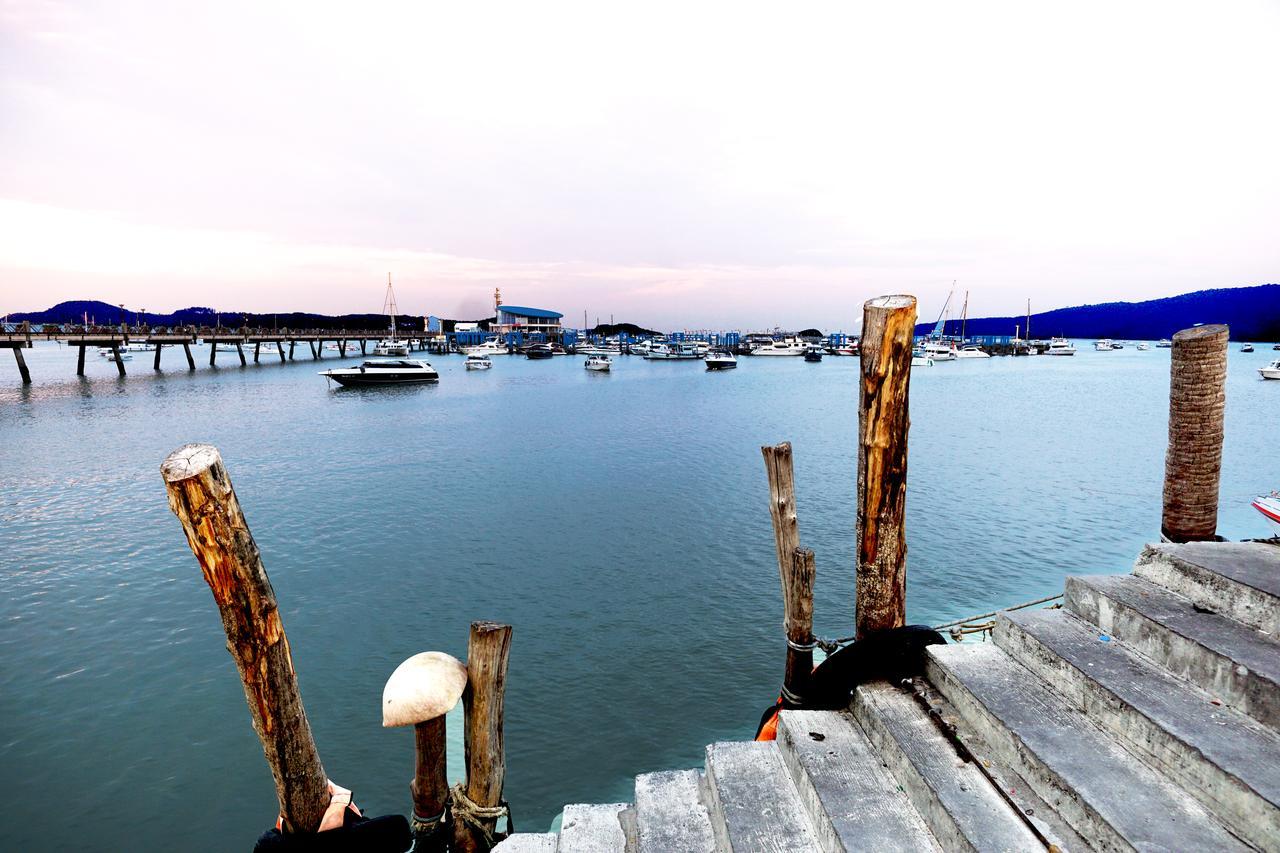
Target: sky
678 165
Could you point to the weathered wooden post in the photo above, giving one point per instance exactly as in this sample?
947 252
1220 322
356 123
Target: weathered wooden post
782 503
240 351
280 349
201 496
80 361
22 365
797 597
1193 463
888 333
156 364
191 362
115 353
477 806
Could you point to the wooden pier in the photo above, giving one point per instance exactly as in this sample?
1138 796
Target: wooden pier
241 339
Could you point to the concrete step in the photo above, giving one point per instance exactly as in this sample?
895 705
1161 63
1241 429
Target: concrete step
671 813
1236 579
851 800
958 802
527 842
1237 664
754 805
593 828
1103 791
1229 761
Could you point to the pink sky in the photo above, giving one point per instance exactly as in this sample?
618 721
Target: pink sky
675 165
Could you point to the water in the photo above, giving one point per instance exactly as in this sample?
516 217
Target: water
620 522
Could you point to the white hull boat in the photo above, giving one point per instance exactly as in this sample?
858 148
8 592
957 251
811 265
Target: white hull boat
939 351
721 360
971 351
389 372
781 348
493 346
1103 345
478 362
391 346
1271 371
1269 506
1060 346
1143 347
674 352
599 363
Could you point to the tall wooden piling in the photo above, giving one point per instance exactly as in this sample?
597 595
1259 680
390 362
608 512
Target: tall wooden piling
1193 462
782 504
797 597
80 361
240 352
888 331
201 496
257 349
213 352
280 349
191 361
22 365
115 351
156 365
487 653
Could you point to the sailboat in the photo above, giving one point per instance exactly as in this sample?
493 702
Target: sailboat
968 350
391 345
934 346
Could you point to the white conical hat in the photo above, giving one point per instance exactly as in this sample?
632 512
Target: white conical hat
422 688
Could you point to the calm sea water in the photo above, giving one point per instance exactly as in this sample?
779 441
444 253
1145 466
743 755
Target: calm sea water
620 522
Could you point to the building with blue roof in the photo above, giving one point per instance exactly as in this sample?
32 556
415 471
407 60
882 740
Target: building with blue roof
512 318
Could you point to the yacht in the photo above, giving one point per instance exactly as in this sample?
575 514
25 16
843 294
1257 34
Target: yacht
920 358
940 350
600 363
1271 371
1246 348
492 346
850 348
971 351
1164 343
1060 346
476 361
388 372
813 354
1103 345
788 346
391 345
674 351
1269 506
721 358
641 348
538 351
1143 347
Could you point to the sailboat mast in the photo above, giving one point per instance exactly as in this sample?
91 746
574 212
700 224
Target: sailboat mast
964 315
1028 319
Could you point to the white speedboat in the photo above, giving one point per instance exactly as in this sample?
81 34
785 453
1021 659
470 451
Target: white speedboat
391 346
1269 506
675 351
1164 343
390 372
1060 346
1271 371
787 346
1103 345
225 348
475 361
971 351
846 350
600 363
1246 348
491 346
940 350
1143 346
920 358
720 359
641 348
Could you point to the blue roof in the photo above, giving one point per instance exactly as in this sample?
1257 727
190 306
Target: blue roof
530 312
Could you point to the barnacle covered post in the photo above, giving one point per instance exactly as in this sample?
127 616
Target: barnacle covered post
888 335
201 496
1197 405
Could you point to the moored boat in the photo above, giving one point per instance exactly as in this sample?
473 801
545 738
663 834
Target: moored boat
972 351
721 359
1103 345
476 361
1164 343
940 350
675 351
1143 347
1271 371
920 358
600 363
491 346
538 351
813 354
1269 506
1060 346
786 346
387 372
1246 348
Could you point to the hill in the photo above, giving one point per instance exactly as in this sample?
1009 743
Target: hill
109 315
1253 313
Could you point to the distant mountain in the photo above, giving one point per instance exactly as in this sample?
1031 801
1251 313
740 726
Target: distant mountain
110 315
1253 313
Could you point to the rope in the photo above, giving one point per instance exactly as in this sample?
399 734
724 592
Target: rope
480 817
426 825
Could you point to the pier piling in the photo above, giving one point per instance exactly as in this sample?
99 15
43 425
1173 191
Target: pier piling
782 504
797 596
280 349
201 496
240 352
115 351
1193 462
487 653
257 349
883 420
22 365
80 361
156 364
191 361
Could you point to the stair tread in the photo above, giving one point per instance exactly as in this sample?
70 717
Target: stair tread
1232 741
959 796
671 814
1254 564
592 828
1139 805
527 842
757 808
854 803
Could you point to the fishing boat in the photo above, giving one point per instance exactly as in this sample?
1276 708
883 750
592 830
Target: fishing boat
387 372
674 351
1164 343
813 354
971 351
1246 348
538 351
721 358
1271 371
476 361
1269 506
1060 346
600 363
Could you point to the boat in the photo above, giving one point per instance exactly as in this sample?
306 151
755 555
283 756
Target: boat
122 355
844 349
920 358
600 363
476 361
1117 345
1276 347
1143 347
675 351
538 351
1060 346
402 371
589 348
1103 345
492 346
1164 343
138 346
1271 371
786 346
226 348
720 358
940 350
813 354
640 348
391 345
1269 506
971 351
1246 348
